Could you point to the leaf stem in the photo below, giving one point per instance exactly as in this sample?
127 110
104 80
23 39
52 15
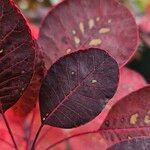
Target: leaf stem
36 137
70 137
30 128
9 130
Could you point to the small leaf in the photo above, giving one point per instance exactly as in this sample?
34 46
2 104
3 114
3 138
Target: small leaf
77 88
128 118
133 144
81 24
17 54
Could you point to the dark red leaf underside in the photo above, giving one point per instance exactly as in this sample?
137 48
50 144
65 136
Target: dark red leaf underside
134 144
77 88
81 24
128 118
16 54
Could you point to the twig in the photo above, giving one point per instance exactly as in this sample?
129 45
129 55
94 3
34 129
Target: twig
36 137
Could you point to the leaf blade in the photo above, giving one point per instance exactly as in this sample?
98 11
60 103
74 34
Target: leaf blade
17 54
98 23
88 77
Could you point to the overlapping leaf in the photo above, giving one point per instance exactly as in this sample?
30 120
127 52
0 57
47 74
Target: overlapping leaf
95 140
17 54
77 87
134 144
80 24
128 118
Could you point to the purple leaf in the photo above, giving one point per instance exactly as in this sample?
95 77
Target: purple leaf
81 24
77 88
17 53
133 144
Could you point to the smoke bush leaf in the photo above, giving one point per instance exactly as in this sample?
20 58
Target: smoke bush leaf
77 88
17 54
137 143
82 24
128 118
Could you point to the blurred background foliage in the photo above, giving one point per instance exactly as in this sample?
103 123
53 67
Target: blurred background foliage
35 10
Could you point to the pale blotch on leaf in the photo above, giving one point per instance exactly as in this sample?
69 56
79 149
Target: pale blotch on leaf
134 119
1 51
77 40
23 89
68 50
109 21
104 30
98 19
81 26
22 72
91 23
94 81
147 118
95 42
73 32
72 72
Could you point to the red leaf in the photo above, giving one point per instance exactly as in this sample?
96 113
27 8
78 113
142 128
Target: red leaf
80 24
128 118
133 144
17 54
129 81
77 87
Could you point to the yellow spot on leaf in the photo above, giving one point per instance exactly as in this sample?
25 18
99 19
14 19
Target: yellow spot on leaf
81 26
98 18
147 118
109 21
73 32
94 81
134 119
104 30
68 50
95 42
91 23
77 40
1 51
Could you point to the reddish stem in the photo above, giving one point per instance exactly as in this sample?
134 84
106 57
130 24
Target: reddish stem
36 137
30 128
